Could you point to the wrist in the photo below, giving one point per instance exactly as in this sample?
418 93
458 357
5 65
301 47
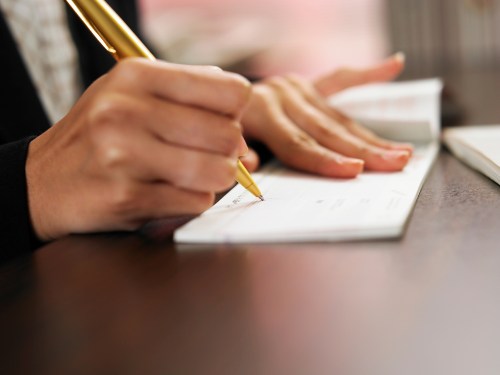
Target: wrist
38 214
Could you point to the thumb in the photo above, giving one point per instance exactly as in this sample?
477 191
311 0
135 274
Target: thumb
344 78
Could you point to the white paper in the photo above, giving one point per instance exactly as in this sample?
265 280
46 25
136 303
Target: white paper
477 146
301 207
402 111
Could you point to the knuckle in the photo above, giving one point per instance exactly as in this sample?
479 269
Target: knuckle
100 112
297 143
184 177
129 69
327 132
187 171
123 199
295 79
230 138
266 99
105 111
215 174
308 115
264 95
240 89
277 82
300 140
239 84
111 155
106 135
335 132
366 150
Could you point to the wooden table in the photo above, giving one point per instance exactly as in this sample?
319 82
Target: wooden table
428 303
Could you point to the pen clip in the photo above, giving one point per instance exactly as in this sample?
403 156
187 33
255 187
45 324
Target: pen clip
92 28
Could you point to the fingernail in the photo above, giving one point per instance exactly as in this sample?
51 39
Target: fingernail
400 57
214 67
404 147
395 155
358 164
344 167
352 161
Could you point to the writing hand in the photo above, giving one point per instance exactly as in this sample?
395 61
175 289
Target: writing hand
291 116
147 140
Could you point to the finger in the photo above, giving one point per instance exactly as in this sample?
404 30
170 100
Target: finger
306 154
194 128
298 150
169 121
250 160
313 97
345 143
334 136
373 139
159 200
345 78
132 205
185 168
199 86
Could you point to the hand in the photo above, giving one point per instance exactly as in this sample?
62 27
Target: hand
291 116
147 140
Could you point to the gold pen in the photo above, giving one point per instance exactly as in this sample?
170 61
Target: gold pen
114 34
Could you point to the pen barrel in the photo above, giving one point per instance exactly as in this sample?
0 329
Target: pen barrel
101 18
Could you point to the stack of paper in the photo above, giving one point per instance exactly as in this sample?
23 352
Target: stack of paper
478 147
303 207
402 111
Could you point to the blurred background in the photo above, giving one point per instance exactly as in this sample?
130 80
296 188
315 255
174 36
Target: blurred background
310 37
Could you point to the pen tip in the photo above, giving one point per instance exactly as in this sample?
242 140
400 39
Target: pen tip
261 197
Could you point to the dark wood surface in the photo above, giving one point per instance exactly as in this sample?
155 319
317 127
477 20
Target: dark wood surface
428 303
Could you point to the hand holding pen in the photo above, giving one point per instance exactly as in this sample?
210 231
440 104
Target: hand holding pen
147 140
117 38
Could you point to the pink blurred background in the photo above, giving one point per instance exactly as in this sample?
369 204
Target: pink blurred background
265 37
310 37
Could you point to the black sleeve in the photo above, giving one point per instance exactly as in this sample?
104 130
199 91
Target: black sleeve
17 236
